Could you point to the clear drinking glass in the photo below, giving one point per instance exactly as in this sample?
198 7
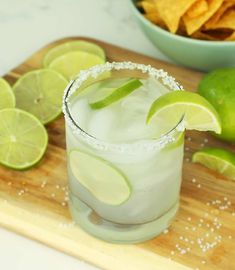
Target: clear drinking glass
124 185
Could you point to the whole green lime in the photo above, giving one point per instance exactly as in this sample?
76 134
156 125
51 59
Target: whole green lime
218 87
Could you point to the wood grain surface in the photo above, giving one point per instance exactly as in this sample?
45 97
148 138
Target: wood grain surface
34 202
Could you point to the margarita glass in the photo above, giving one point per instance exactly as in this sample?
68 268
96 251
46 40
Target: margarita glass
124 174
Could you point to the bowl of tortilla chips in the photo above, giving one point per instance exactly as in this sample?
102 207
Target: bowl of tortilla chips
195 33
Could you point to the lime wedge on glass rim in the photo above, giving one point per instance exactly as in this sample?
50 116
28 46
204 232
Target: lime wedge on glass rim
106 182
77 45
198 113
217 159
23 139
7 98
40 92
71 63
106 96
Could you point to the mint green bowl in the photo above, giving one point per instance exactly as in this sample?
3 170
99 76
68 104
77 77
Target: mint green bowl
198 54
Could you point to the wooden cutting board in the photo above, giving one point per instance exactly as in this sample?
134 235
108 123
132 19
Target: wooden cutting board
34 203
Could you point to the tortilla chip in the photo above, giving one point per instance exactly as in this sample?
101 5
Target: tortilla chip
204 36
198 8
217 34
151 13
214 19
231 37
149 7
172 10
154 18
193 24
227 21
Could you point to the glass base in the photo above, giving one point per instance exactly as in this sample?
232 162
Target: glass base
108 231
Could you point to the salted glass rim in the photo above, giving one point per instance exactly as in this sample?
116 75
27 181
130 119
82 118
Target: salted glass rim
97 70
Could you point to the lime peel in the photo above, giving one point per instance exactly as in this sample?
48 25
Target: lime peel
111 95
71 63
106 182
23 139
198 113
7 97
40 92
76 45
217 159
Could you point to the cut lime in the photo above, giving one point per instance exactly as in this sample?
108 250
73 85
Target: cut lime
7 98
217 159
23 139
198 113
40 92
106 96
77 45
71 63
101 178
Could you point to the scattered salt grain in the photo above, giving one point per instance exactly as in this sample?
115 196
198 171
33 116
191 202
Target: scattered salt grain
43 184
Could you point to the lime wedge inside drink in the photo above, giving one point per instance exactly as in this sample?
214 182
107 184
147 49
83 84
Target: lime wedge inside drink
106 96
100 177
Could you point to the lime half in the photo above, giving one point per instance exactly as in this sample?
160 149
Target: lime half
71 63
106 96
217 159
198 113
23 139
7 98
40 92
77 45
102 179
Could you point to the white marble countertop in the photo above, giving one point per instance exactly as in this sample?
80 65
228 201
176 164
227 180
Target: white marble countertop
26 26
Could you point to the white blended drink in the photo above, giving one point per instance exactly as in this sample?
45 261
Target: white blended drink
124 171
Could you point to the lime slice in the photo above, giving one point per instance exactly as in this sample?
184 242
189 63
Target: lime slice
217 159
78 45
198 113
40 92
100 177
70 64
7 98
23 139
106 96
